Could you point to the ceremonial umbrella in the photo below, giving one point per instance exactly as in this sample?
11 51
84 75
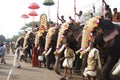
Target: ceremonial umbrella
25 16
48 3
33 14
33 6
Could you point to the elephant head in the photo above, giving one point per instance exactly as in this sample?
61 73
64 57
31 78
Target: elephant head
49 35
19 42
39 34
99 30
28 40
60 39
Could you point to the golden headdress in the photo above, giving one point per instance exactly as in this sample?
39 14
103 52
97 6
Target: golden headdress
51 31
90 25
63 27
39 34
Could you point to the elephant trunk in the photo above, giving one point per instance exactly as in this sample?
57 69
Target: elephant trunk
48 52
57 62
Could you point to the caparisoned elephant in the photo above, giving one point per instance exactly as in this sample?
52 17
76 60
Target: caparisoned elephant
107 39
68 33
50 46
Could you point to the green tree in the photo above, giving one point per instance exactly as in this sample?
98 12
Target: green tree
2 38
28 25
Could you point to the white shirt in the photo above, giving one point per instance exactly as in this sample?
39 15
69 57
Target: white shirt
81 20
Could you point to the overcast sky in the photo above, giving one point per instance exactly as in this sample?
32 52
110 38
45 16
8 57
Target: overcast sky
11 10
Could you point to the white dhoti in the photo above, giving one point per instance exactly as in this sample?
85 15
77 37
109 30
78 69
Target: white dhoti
68 62
16 62
89 72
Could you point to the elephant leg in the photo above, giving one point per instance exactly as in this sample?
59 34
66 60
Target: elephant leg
108 66
25 59
29 53
84 62
52 60
78 62
57 57
48 61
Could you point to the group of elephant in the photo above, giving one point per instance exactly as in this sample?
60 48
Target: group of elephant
106 37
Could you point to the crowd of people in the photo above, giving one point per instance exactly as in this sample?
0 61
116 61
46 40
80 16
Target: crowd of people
6 48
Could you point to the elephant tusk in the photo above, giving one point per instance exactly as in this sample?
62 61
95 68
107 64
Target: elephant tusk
61 49
48 52
117 70
77 51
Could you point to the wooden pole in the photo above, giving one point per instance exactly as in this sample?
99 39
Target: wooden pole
75 10
57 12
103 8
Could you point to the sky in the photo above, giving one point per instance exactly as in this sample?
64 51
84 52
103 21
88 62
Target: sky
11 11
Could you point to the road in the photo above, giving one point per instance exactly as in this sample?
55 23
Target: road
27 72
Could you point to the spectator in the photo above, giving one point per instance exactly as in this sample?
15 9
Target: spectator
17 57
2 53
34 57
8 47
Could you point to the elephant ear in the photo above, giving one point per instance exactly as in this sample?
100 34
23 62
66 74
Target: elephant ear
106 26
88 28
109 29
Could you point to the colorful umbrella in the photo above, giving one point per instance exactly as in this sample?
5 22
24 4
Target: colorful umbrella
48 3
33 13
24 16
33 6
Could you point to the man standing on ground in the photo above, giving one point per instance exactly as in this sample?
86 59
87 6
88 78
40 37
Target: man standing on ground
2 53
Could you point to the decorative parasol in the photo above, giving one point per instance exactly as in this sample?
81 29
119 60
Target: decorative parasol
25 16
48 3
33 14
33 6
